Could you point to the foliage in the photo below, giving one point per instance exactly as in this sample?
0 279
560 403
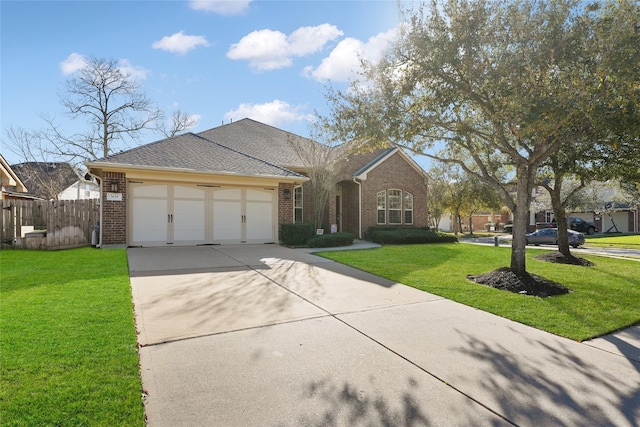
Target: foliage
504 84
69 354
403 236
331 240
464 195
296 234
601 301
436 202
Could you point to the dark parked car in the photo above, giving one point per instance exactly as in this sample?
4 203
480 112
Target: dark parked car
549 236
579 224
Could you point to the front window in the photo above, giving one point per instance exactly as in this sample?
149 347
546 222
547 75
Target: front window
395 206
408 208
297 205
382 207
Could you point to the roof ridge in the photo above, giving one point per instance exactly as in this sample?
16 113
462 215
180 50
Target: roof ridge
249 119
246 155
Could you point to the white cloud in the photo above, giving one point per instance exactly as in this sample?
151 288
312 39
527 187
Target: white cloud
275 113
343 63
264 49
180 43
307 40
271 50
73 63
221 7
136 72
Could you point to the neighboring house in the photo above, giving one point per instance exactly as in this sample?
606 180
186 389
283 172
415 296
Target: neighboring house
610 215
613 218
238 182
12 186
56 181
82 189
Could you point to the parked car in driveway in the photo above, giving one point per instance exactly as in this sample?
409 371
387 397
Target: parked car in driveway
549 236
579 224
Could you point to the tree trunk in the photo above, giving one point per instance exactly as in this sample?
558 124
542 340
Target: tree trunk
471 225
560 214
521 221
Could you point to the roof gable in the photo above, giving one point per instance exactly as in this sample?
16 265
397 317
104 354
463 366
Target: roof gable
9 178
362 172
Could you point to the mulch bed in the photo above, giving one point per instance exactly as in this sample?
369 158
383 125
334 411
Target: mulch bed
527 284
561 259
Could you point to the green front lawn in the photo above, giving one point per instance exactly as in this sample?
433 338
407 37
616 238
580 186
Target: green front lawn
69 353
604 298
631 241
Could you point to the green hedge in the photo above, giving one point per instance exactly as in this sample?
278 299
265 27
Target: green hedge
296 234
331 240
410 236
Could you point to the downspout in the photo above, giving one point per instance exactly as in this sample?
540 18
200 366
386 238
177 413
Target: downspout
355 179
99 181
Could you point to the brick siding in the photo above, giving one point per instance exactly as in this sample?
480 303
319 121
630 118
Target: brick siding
394 173
114 214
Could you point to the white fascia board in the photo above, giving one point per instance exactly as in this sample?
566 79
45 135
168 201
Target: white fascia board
125 167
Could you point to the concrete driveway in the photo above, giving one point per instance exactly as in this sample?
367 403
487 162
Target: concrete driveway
270 336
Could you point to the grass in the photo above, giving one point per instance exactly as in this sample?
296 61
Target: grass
631 241
604 298
69 353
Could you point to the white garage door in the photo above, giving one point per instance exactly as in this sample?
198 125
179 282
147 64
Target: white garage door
191 214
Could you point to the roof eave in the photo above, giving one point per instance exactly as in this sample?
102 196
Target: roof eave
108 165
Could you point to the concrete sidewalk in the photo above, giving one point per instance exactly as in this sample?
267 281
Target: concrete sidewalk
264 335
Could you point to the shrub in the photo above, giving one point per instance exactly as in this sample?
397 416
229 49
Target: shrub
296 234
331 240
410 236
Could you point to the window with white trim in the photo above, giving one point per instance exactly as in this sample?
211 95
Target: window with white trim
382 207
395 206
298 216
408 208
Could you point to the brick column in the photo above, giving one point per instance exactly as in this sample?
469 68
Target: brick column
114 212
285 206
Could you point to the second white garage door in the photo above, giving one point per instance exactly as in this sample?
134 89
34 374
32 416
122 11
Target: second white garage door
191 214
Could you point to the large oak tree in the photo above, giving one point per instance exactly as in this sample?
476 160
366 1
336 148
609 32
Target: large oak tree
497 87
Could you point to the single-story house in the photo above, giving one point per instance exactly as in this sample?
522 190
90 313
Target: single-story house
56 181
238 182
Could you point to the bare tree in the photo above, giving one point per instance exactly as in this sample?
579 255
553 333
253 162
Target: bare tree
320 161
42 176
179 122
111 103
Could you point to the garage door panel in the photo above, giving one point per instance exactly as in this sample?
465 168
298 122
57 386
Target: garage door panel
149 190
149 221
259 222
189 221
227 221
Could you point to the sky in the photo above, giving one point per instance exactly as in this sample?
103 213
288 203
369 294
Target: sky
218 61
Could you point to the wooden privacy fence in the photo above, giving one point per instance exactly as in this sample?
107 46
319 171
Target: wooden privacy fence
40 224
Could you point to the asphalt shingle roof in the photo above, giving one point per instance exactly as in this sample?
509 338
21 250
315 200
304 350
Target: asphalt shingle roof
194 152
259 140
